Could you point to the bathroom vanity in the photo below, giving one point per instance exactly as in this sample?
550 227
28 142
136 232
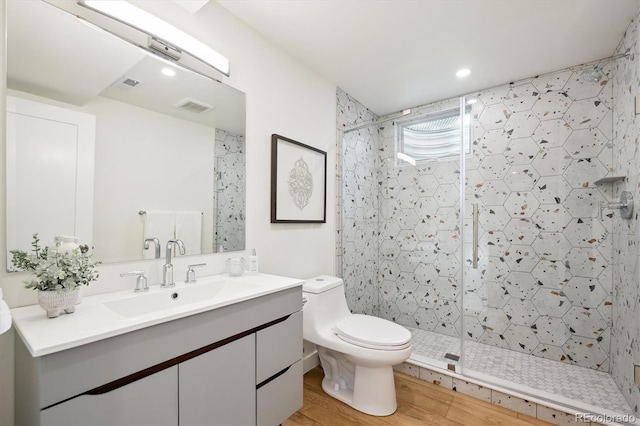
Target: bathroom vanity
227 352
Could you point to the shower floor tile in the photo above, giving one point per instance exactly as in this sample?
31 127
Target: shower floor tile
582 384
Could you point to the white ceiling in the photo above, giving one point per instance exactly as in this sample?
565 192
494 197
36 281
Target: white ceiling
391 55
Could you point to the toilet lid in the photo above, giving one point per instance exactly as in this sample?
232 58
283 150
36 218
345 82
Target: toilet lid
372 332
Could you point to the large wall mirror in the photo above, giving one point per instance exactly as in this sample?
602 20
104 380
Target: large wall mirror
114 145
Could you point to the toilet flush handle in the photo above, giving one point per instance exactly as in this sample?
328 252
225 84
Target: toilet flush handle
304 300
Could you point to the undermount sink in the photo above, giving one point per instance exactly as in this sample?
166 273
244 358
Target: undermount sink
165 299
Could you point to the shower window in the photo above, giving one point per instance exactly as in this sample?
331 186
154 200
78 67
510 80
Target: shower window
433 136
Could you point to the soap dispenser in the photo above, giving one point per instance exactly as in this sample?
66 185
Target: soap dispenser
253 262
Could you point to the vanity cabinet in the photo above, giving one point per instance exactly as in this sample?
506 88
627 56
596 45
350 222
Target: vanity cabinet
279 396
149 401
218 387
235 365
278 370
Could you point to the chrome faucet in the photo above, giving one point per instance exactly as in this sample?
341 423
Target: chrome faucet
156 244
141 280
167 269
191 274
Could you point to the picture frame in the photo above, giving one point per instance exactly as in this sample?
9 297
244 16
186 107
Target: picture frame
298 182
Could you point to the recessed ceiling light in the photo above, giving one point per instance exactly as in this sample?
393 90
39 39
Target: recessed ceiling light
168 72
462 73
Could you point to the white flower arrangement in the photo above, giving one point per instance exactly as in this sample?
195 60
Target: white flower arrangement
59 271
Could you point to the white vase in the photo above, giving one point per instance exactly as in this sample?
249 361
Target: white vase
56 302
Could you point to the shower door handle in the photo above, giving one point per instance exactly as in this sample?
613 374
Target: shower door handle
475 236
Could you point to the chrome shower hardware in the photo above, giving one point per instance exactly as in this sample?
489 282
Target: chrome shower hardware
625 205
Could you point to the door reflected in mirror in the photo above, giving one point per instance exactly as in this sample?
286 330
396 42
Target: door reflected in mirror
165 140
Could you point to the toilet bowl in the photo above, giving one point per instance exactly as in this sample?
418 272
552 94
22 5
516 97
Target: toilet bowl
357 352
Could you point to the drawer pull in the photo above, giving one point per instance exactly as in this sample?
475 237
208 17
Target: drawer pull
272 378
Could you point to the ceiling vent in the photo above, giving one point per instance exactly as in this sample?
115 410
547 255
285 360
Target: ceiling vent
194 106
127 83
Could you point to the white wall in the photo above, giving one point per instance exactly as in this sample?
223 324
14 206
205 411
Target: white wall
178 168
283 97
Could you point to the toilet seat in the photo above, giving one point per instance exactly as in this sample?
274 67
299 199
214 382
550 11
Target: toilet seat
372 333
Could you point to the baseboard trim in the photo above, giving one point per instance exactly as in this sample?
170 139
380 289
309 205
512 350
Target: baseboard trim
310 361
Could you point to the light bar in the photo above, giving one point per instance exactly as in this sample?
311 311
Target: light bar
156 27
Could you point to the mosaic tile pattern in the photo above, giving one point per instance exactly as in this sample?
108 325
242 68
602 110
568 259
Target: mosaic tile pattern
581 384
513 403
547 283
538 146
229 200
625 334
358 248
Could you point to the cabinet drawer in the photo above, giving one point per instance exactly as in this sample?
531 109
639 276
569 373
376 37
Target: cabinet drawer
217 387
281 397
278 346
149 401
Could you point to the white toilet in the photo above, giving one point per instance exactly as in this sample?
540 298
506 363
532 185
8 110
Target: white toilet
356 351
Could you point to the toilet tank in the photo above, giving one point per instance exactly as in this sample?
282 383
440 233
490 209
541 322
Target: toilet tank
321 283
325 305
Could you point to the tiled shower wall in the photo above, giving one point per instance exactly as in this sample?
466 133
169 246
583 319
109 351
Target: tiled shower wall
359 179
229 200
625 351
544 280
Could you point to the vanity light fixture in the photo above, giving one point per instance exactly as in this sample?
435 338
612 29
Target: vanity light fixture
163 37
471 101
462 73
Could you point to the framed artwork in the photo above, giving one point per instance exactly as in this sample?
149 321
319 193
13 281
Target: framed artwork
298 182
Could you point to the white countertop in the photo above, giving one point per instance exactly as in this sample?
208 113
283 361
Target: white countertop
93 321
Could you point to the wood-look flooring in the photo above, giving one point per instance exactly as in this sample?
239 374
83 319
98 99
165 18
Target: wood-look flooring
419 403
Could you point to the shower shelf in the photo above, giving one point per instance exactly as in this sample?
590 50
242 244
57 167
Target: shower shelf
610 179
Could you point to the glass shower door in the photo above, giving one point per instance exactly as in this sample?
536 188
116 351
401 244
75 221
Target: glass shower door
496 220
401 205
540 298
420 244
